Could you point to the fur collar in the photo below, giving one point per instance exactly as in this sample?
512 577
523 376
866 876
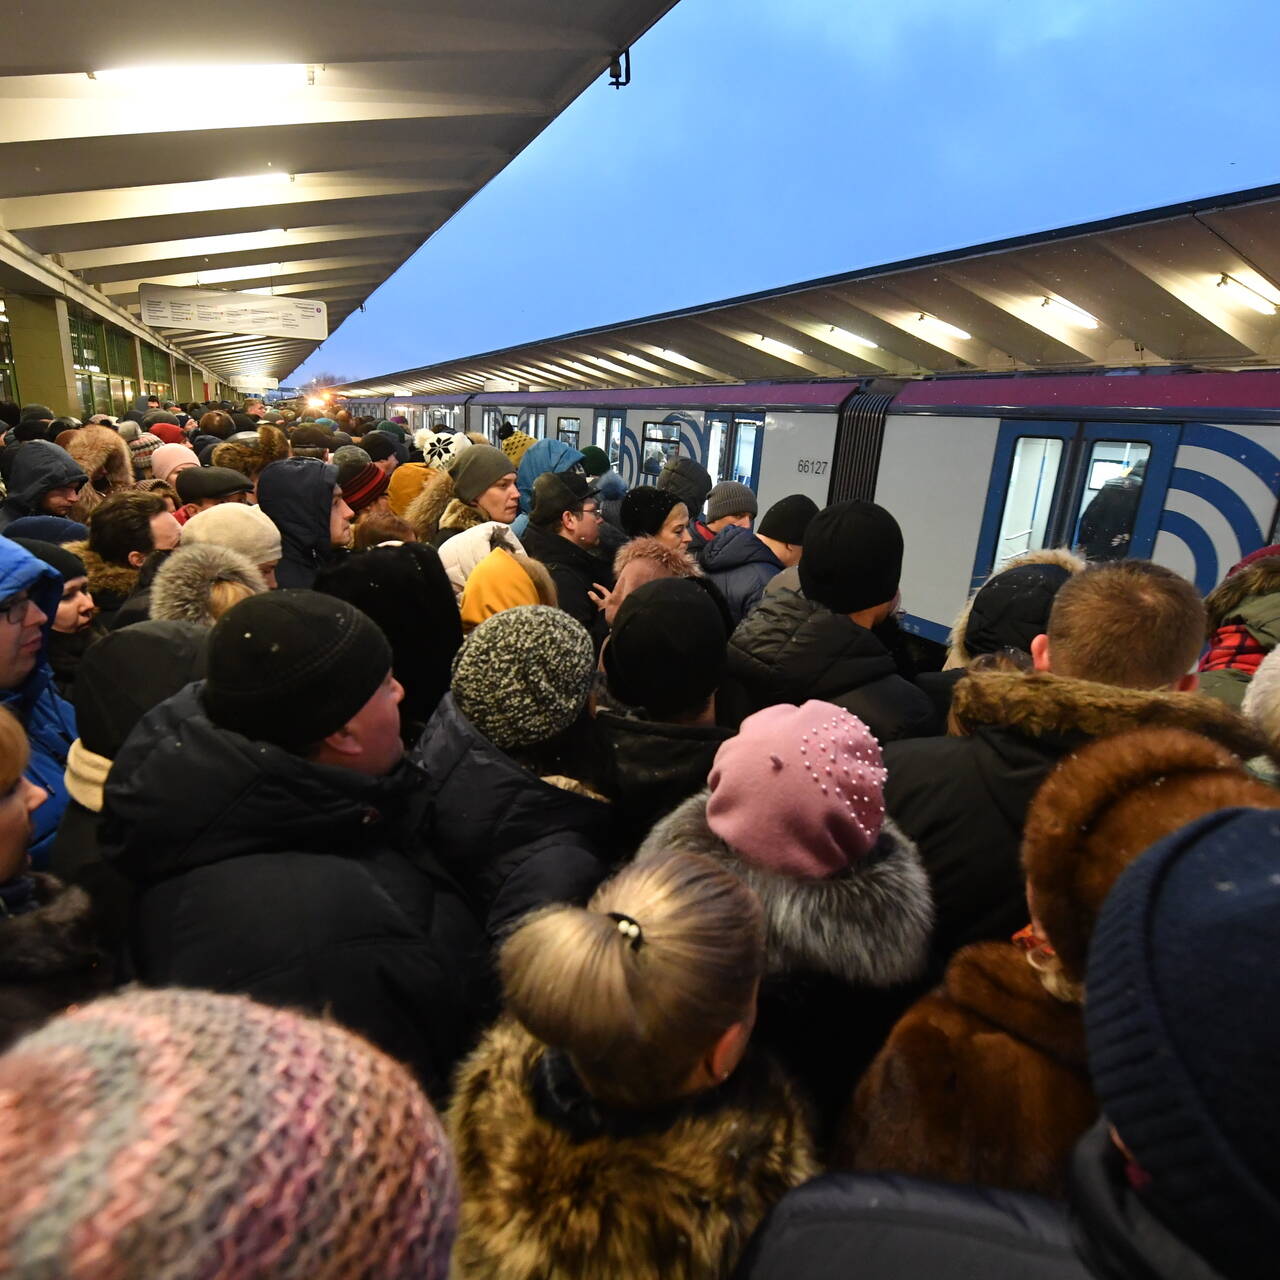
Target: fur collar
458 515
870 927
1262 578
180 592
425 511
957 654
54 938
671 563
86 775
1042 705
118 580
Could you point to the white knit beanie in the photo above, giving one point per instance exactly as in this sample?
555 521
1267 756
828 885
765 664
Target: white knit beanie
248 530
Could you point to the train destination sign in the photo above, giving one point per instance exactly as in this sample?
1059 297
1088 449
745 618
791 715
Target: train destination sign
172 307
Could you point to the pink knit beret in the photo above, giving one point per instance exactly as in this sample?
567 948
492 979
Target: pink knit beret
799 791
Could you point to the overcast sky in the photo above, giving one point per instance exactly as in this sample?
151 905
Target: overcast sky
763 142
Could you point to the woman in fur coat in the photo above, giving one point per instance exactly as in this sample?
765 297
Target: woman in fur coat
618 1125
105 458
985 1080
794 808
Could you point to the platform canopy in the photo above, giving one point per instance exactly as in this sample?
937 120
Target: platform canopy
1190 284
301 147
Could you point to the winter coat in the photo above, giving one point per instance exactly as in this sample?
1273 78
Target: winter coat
983 1081
787 580
48 959
650 768
1248 599
843 955
38 466
858 1227
964 800
790 649
181 589
690 482
49 720
298 884
105 459
462 553
513 841
741 566
297 493
575 571
555 1185
642 560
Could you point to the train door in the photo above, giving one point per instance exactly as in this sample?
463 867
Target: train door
1096 487
659 443
734 441
608 434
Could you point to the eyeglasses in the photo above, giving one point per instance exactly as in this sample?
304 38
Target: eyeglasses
14 609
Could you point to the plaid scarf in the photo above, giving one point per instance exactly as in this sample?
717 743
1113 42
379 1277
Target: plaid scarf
1233 648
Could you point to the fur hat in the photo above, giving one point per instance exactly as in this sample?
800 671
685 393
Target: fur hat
645 560
180 591
1100 808
522 677
249 457
799 791
101 452
248 530
256 1142
1261 699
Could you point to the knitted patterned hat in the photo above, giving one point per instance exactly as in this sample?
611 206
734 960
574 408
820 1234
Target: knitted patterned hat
440 449
523 676
141 449
516 445
799 791
363 488
179 1135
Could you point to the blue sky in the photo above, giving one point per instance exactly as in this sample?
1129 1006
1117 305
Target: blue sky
764 142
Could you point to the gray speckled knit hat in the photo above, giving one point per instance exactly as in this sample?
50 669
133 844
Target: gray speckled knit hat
523 675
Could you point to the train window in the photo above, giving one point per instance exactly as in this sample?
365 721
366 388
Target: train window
1114 476
743 466
609 435
1028 500
661 443
568 430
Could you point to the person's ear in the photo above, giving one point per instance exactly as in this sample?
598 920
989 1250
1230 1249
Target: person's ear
344 742
137 559
727 1051
1040 653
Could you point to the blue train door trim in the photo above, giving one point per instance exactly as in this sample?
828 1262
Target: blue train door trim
1163 439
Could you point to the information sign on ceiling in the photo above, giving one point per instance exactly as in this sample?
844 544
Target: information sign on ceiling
172 307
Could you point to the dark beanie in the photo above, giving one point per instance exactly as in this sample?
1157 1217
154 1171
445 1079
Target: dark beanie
595 462
292 667
1012 608
379 445
788 518
644 510
477 469
68 565
852 557
666 650
1184 1046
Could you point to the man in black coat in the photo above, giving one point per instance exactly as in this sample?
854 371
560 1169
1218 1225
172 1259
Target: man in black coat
837 641
267 820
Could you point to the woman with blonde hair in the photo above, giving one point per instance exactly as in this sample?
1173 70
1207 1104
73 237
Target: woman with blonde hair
616 1124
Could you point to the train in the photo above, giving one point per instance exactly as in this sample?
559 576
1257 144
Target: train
977 468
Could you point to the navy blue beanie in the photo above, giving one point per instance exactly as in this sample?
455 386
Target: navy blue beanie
1182 993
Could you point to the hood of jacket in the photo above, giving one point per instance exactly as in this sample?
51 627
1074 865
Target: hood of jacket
869 926
681 1198
231 796
651 558
688 480
180 591
1252 597
791 648
21 571
1041 705
56 937
101 451
546 455
38 467
732 548
297 493
463 552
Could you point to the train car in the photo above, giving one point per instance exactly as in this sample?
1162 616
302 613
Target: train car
1179 466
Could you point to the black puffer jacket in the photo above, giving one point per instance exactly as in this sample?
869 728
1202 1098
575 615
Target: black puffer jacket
741 566
884 1227
514 842
297 884
38 466
790 650
575 571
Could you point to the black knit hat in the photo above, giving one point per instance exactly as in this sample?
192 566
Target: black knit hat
645 509
68 565
788 518
852 557
1012 608
292 667
666 651
379 445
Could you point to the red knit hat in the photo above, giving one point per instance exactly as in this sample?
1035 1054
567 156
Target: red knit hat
365 487
167 432
799 791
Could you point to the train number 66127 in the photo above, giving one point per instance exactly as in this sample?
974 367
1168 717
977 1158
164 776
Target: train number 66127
812 466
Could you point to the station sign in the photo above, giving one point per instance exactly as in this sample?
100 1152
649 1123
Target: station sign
216 311
251 381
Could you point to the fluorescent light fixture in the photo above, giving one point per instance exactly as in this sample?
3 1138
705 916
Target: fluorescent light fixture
1069 312
270 175
1242 293
777 348
290 75
951 330
845 336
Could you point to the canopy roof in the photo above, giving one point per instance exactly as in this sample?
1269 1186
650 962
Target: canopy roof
1191 284
313 169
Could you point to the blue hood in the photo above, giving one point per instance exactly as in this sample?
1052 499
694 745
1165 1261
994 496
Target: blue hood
21 571
546 455
734 547
297 493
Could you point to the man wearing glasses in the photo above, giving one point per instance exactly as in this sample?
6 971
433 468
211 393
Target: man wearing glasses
29 595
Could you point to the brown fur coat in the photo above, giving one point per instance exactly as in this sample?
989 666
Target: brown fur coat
113 583
675 1204
106 460
984 1081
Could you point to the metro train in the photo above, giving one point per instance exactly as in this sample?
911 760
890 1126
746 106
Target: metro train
976 468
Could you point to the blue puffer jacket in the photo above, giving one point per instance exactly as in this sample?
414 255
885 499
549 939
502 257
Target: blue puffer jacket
741 566
297 493
546 455
50 722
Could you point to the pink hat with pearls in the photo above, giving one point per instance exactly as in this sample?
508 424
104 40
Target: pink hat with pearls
799 791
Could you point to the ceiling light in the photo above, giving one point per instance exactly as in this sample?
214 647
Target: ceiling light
952 330
1069 312
779 348
227 75
1242 293
845 336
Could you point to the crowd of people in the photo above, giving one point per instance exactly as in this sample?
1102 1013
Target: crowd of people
421 856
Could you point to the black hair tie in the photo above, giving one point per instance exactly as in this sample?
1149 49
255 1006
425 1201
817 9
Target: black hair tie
629 928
